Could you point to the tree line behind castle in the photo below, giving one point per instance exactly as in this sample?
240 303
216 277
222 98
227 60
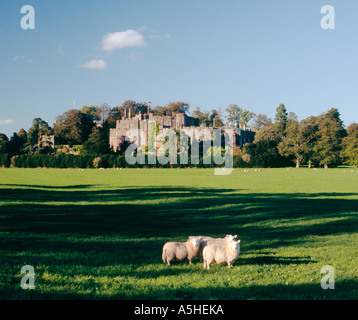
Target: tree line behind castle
80 138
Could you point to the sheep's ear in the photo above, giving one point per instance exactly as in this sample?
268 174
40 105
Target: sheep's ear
238 241
235 236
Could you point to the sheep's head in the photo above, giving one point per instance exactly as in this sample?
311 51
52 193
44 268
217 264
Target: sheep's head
195 241
236 244
230 237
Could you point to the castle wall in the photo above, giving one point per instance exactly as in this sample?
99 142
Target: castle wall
129 127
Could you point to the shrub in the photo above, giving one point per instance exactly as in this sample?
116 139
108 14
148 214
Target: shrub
97 162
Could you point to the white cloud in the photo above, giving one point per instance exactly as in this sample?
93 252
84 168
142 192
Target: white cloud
24 58
7 122
124 39
95 64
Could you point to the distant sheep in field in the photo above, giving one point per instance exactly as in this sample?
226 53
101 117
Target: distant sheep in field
180 250
221 254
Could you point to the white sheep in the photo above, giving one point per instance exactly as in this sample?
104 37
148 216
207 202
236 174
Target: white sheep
221 254
180 250
214 241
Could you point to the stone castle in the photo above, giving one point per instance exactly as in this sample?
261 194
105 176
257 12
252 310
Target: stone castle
178 121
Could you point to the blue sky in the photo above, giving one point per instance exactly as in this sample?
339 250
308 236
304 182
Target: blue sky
209 53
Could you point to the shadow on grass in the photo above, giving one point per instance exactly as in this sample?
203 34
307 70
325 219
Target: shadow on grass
268 260
344 290
171 212
33 187
79 225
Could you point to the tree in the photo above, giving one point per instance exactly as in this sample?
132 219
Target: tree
103 112
292 117
281 118
349 151
266 132
216 118
3 143
38 129
334 115
117 113
129 104
97 142
22 134
263 154
233 115
73 127
177 107
160 111
352 130
91 112
135 107
293 142
246 117
204 117
261 120
17 143
329 138
309 127
142 107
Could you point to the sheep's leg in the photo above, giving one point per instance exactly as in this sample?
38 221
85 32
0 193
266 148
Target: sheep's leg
206 264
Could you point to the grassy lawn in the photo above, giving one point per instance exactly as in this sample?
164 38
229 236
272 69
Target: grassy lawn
98 234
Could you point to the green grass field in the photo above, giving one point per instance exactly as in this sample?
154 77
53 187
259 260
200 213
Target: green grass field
98 234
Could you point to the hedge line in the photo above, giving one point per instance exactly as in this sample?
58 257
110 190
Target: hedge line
86 161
